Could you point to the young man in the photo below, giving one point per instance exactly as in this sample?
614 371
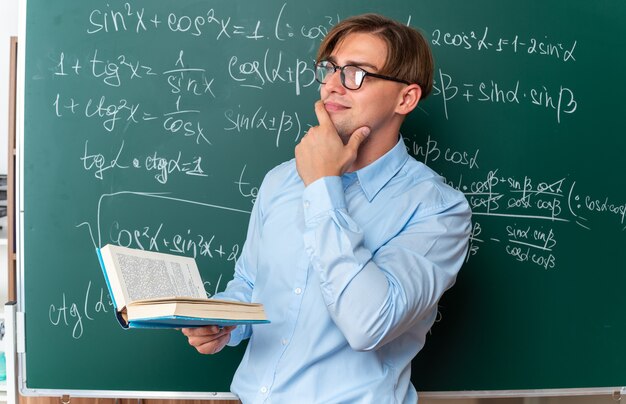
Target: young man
351 244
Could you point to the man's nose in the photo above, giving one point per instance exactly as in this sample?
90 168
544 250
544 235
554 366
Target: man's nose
333 82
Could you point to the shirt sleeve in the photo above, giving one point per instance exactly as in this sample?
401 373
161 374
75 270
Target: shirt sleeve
373 297
241 286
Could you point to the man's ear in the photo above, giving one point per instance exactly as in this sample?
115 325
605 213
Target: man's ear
409 97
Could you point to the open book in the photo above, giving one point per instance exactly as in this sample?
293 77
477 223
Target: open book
157 290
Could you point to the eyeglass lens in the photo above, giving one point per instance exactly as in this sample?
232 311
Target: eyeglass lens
351 76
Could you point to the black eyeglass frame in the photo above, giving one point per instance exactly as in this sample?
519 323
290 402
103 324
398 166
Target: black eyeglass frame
319 65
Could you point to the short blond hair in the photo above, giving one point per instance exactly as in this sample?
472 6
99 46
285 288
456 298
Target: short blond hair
408 55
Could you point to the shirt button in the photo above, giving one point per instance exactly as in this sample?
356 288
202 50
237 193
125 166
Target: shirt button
284 341
263 389
297 291
307 204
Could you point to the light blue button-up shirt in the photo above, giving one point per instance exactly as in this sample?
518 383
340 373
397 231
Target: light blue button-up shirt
350 271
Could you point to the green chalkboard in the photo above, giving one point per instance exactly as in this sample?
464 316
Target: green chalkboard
152 123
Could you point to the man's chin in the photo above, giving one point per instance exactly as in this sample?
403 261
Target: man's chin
344 129
344 133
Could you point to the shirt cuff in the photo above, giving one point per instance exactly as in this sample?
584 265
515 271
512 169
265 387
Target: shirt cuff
321 196
237 335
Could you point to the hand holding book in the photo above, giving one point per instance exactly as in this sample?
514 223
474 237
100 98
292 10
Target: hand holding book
210 339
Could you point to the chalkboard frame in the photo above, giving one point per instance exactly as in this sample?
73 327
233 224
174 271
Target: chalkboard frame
22 371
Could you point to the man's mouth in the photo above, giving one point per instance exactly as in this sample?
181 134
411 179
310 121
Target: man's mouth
332 106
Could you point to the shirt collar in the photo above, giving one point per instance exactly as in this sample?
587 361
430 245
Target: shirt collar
373 177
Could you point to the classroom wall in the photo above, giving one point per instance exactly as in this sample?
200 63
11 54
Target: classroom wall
8 28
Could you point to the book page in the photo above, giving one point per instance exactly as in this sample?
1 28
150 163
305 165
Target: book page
150 278
229 304
136 274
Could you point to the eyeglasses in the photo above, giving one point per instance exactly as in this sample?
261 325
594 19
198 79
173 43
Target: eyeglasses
352 77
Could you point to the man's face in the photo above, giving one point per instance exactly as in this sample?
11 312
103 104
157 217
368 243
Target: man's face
371 105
